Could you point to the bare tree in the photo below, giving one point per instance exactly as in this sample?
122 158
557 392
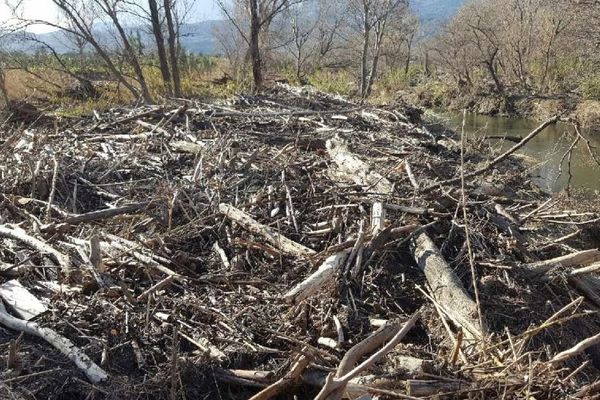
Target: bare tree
259 14
111 9
373 17
169 7
314 26
160 44
3 92
75 21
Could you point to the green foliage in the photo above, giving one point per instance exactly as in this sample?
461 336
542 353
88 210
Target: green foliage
337 82
590 87
439 91
398 78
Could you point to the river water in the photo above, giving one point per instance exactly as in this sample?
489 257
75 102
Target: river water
548 148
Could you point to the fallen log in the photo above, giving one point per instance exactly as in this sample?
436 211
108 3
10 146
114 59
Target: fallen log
446 287
318 279
355 169
281 242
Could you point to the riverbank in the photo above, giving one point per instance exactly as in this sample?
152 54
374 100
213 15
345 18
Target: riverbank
539 108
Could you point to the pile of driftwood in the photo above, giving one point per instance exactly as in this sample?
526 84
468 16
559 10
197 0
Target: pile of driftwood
288 244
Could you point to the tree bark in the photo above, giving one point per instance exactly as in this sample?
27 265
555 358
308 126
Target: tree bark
160 45
173 48
255 55
3 93
492 70
365 50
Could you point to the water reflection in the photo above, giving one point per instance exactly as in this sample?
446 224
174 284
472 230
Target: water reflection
548 147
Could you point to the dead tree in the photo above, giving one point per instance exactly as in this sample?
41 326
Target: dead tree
374 16
260 14
160 44
173 47
75 13
3 93
111 9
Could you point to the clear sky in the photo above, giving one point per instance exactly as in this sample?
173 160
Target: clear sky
46 10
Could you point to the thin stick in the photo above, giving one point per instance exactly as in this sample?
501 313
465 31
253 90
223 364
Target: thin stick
52 189
465 220
577 349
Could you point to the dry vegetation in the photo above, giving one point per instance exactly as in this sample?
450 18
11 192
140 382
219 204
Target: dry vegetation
286 244
164 237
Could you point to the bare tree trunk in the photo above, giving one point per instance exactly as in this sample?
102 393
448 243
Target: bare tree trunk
255 55
409 44
379 30
160 45
492 70
365 53
3 93
173 48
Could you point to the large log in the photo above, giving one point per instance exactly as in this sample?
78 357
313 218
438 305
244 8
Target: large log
353 168
446 288
282 243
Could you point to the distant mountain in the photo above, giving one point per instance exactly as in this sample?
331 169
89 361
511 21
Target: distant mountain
196 37
435 12
199 38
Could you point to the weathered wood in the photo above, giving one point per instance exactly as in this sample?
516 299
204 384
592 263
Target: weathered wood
570 260
103 214
17 233
24 304
446 287
318 279
334 385
94 373
357 170
281 242
577 349
426 388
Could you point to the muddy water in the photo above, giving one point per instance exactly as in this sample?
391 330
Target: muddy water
548 148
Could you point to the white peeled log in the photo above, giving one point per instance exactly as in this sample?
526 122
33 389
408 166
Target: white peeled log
353 168
446 287
20 235
312 284
285 245
584 257
93 372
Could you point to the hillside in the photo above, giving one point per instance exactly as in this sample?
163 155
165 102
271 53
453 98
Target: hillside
198 37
